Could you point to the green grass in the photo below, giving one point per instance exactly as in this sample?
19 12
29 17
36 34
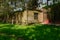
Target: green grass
29 32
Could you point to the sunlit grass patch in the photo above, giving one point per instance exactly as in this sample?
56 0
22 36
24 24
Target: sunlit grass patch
31 32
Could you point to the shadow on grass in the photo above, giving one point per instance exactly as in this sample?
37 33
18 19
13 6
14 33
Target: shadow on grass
47 32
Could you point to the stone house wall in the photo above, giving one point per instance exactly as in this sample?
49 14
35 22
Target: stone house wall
28 17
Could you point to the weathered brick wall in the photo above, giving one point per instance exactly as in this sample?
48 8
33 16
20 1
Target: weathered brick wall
40 17
30 17
27 17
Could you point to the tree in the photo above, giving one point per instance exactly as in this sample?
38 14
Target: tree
10 5
32 4
47 2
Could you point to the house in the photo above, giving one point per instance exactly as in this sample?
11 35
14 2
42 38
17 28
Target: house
34 16
25 17
17 16
31 16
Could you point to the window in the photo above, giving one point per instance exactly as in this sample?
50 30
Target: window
35 15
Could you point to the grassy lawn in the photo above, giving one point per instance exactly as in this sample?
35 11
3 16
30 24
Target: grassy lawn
30 32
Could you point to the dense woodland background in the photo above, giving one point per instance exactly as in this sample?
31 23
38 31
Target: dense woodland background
7 9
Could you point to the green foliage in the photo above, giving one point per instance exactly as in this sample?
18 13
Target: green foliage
54 13
32 4
32 32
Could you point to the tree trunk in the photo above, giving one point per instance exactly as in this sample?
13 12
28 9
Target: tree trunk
16 18
7 20
20 18
47 2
